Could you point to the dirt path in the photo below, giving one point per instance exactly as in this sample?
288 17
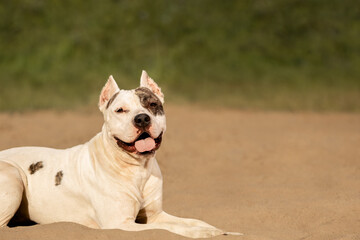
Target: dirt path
268 175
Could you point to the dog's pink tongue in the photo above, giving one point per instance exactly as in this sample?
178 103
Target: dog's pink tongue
145 145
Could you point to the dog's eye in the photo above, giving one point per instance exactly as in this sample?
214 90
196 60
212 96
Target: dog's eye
153 104
120 110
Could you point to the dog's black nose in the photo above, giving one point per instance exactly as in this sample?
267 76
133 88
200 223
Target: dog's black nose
142 120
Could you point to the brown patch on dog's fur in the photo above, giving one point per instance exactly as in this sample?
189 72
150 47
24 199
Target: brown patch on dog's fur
149 100
58 177
35 166
111 100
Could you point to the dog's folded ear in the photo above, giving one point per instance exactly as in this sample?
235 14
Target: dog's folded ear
146 81
107 92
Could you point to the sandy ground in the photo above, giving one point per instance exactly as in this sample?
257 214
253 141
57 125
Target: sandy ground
268 175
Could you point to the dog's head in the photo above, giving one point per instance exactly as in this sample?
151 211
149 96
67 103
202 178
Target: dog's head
134 119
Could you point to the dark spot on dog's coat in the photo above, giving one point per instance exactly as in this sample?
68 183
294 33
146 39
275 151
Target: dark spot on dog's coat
35 166
149 100
58 177
111 100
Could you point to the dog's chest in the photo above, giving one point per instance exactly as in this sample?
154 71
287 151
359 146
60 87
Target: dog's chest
140 176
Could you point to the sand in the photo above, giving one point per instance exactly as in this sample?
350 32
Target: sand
269 175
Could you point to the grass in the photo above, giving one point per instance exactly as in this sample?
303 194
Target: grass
273 55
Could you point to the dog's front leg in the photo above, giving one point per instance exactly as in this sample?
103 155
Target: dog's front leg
185 227
164 222
122 214
153 215
178 226
193 227
188 227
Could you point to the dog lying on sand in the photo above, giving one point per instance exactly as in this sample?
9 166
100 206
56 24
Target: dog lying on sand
111 182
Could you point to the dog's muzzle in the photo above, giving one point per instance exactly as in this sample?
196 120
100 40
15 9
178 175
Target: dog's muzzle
143 144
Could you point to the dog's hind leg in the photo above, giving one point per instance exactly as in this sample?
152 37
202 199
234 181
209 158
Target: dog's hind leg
11 190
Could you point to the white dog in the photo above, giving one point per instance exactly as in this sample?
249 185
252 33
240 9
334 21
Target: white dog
112 181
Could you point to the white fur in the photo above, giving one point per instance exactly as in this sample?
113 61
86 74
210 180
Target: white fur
102 185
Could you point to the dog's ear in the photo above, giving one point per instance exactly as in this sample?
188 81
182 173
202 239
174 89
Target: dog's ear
107 92
146 81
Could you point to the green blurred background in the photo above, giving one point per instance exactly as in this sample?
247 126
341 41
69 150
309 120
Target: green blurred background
246 54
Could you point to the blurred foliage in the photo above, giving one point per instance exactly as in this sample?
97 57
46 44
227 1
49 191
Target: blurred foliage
255 54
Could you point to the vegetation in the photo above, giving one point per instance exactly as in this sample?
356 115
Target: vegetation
277 55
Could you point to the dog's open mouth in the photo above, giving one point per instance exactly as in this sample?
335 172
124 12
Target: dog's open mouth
144 144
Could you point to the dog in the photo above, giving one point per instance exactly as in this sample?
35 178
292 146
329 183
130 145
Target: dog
111 182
